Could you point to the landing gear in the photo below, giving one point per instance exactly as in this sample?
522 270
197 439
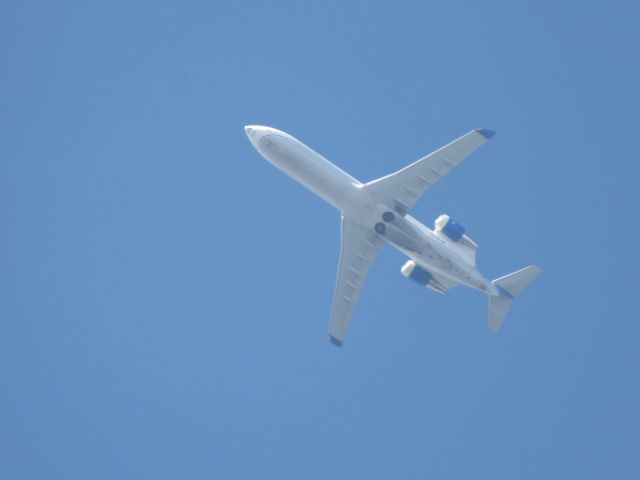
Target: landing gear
388 216
380 228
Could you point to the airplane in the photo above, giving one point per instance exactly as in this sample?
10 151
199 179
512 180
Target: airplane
377 212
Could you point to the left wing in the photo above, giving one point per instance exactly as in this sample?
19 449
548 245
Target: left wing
360 247
401 190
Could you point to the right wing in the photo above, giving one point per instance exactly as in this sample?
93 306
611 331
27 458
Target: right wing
401 190
360 247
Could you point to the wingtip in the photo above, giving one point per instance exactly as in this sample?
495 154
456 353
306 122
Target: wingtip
335 341
486 133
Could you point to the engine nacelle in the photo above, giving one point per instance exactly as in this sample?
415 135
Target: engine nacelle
416 273
421 276
449 227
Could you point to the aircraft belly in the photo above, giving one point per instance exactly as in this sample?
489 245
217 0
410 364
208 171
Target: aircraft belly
439 260
310 169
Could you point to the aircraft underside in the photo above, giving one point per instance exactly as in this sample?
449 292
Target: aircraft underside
376 213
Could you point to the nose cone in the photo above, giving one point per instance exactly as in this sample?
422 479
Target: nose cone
255 133
265 138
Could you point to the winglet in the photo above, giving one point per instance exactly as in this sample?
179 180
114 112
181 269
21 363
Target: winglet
486 133
335 341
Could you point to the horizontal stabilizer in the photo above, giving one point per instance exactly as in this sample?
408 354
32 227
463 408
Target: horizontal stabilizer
498 307
515 282
509 287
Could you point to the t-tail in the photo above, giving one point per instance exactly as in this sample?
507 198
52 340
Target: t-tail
508 287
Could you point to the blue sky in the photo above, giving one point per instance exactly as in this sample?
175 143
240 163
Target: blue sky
166 291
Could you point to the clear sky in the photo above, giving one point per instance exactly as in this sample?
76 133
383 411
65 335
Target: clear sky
165 292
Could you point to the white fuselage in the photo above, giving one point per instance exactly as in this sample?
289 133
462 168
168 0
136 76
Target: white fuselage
347 194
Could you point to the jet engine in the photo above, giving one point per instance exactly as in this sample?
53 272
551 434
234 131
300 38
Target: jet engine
416 273
448 226
421 276
452 233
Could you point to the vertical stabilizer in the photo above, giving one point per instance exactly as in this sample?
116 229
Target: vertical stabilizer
509 287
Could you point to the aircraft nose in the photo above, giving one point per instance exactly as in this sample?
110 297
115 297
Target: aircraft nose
255 133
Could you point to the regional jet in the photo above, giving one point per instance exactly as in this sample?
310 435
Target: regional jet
377 212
